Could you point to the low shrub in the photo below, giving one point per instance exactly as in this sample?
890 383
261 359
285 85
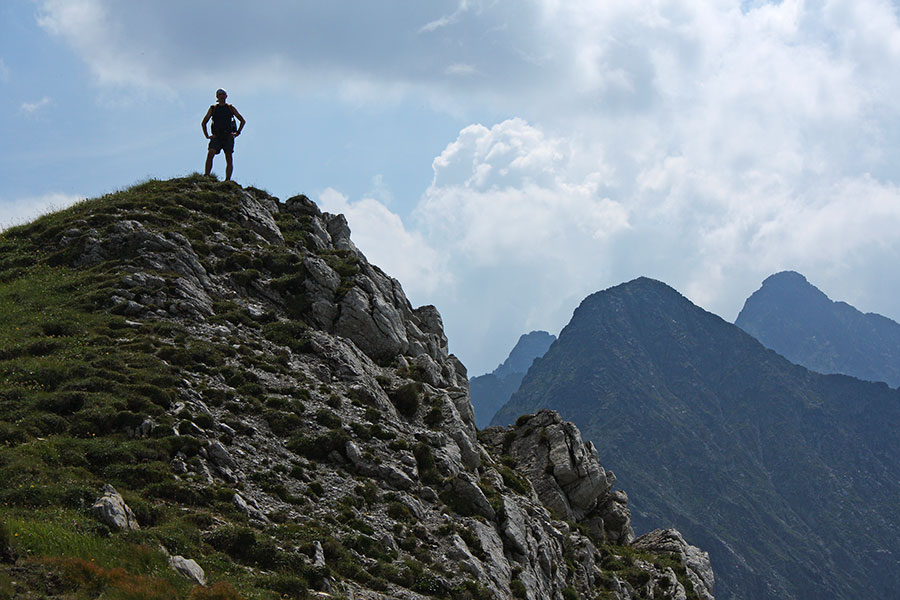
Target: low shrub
318 448
406 399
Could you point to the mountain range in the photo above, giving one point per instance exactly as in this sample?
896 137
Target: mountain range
786 476
492 390
791 316
208 393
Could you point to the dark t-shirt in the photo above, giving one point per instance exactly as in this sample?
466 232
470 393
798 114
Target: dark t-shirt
222 120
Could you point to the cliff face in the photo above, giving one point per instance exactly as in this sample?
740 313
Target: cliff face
255 400
794 318
775 470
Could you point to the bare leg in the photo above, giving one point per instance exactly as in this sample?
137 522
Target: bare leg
229 166
209 161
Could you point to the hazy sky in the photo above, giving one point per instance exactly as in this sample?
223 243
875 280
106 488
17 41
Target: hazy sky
502 159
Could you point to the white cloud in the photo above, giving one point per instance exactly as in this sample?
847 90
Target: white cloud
510 194
511 233
31 108
382 237
17 211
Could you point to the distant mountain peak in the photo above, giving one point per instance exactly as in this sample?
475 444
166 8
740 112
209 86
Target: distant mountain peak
785 277
790 315
491 391
793 284
529 347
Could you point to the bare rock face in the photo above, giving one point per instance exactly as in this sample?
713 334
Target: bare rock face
111 509
256 213
694 560
566 473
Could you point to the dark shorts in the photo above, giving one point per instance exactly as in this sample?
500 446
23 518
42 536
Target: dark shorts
225 142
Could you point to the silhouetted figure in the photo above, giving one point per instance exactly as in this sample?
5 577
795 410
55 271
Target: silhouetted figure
224 131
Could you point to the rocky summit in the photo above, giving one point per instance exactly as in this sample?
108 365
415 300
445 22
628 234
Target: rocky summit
208 393
796 319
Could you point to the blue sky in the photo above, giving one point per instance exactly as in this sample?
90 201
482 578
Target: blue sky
501 158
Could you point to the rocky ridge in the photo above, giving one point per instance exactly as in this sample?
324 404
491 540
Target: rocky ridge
330 414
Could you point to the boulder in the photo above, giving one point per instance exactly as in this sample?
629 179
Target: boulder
318 556
111 509
219 455
188 568
464 493
255 214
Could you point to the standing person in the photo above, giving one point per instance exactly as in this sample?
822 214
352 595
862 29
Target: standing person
223 131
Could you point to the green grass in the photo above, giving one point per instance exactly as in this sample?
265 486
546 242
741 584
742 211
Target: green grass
75 377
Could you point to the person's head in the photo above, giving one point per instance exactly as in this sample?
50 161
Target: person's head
221 95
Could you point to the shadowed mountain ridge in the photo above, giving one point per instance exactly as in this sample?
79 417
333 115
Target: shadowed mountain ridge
786 476
793 317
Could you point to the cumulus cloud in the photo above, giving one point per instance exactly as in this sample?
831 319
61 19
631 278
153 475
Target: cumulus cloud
512 231
509 193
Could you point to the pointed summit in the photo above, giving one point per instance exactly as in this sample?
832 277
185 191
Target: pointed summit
529 347
491 391
796 319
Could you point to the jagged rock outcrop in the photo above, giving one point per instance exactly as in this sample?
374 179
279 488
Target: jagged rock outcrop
565 473
315 404
694 560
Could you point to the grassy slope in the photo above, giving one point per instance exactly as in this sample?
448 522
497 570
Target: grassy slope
73 375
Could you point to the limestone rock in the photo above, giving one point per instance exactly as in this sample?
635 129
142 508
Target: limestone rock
309 353
695 561
219 455
565 472
468 497
111 509
255 213
319 556
302 205
248 509
188 568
